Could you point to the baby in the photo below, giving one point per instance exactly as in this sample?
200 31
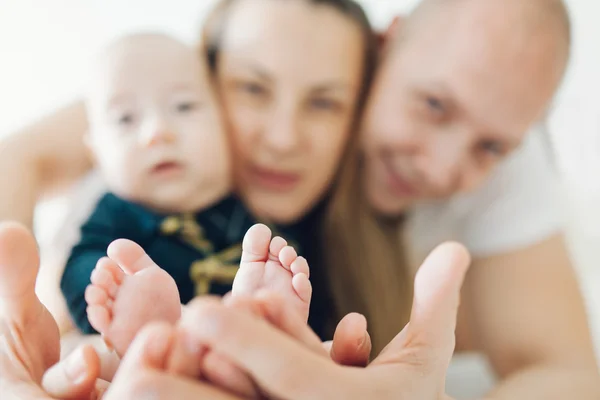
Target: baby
157 138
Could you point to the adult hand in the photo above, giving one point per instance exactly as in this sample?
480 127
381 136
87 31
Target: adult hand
412 366
29 339
351 345
143 371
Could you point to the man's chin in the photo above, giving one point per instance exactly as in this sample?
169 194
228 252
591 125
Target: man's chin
388 206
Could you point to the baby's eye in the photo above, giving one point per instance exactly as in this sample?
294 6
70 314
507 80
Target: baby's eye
126 119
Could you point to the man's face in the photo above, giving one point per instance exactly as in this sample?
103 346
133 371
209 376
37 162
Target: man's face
451 99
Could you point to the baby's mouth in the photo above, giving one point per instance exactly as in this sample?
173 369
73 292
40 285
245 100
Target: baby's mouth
167 168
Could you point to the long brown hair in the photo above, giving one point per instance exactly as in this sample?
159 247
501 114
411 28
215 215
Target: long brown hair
365 258
362 254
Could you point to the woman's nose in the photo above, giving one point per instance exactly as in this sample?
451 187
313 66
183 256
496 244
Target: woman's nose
283 134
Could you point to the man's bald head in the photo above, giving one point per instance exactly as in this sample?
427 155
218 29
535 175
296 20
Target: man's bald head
457 92
521 20
528 39
552 13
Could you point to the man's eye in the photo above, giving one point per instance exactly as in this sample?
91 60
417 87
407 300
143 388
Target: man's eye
185 107
435 104
493 148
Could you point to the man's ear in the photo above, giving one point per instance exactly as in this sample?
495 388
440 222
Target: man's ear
391 32
395 26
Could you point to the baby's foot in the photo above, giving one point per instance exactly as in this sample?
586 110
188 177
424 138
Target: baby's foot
129 290
272 264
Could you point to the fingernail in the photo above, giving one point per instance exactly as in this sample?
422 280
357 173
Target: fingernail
159 343
76 368
363 341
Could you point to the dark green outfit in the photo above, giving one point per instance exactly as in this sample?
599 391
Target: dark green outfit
200 251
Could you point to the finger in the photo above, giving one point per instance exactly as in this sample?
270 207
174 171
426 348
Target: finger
222 373
150 349
153 384
437 293
109 360
274 310
148 356
186 357
148 352
245 303
430 334
75 377
262 351
351 344
270 305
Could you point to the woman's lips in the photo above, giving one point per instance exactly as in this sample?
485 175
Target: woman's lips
272 179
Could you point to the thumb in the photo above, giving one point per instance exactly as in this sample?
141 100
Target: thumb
351 344
429 337
74 377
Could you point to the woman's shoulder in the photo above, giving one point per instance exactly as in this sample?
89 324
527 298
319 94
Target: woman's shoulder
519 204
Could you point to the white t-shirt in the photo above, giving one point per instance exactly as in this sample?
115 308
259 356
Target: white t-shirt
519 205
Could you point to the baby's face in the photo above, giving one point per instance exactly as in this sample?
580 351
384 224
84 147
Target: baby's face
155 128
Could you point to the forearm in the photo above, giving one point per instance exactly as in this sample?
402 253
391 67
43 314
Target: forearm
18 182
40 160
549 383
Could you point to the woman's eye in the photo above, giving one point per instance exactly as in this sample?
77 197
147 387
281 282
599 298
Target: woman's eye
253 89
324 104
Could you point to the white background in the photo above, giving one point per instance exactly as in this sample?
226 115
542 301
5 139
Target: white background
45 44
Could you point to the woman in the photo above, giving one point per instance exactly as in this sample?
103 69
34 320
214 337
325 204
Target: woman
288 136
524 359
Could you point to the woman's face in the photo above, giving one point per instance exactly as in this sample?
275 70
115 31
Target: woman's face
289 75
